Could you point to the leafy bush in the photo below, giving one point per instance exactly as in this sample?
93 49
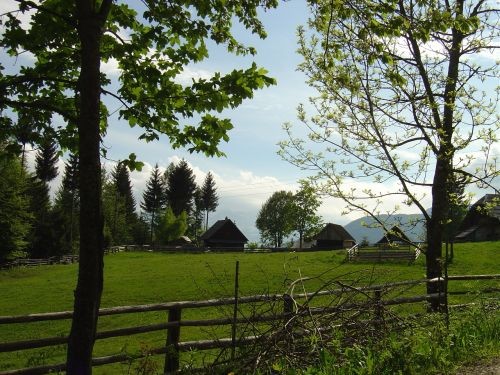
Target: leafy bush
471 335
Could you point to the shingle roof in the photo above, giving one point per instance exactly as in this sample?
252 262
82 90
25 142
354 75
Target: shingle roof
212 232
334 232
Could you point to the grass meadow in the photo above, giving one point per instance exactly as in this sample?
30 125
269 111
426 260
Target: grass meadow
134 278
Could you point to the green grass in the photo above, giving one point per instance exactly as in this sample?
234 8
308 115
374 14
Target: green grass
141 278
471 336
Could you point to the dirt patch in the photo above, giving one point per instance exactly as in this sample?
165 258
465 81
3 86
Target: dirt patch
489 367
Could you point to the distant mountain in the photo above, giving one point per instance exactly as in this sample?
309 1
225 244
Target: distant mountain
412 225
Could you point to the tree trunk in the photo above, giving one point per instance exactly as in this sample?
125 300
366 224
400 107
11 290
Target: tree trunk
90 273
151 229
443 171
435 227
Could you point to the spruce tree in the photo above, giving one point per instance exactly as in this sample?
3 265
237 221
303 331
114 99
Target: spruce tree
40 239
180 188
46 161
120 177
117 231
42 236
67 207
196 218
15 217
209 197
154 199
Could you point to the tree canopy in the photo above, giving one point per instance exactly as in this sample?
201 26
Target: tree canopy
151 42
305 204
407 96
275 218
15 218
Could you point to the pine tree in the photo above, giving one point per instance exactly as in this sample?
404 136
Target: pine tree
120 177
46 161
40 241
117 230
42 236
25 134
196 218
15 218
180 188
71 175
154 199
209 197
67 207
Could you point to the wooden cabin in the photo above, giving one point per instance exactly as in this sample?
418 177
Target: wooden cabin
482 221
334 237
224 234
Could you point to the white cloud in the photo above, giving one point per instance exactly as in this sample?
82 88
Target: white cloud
188 74
111 67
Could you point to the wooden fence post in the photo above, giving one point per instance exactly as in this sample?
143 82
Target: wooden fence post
173 335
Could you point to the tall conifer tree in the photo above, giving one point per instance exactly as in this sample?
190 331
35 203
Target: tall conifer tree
154 199
43 236
181 187
121 179
15 218
67 206
46 161
209 197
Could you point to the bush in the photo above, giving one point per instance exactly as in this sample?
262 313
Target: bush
471 335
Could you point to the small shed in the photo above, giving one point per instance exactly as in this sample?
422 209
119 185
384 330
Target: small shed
224 234
482 221
394 236
334 237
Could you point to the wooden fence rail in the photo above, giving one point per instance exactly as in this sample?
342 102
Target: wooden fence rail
374 301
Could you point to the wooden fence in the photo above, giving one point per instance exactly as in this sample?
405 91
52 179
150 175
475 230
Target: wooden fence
68 258
405 253
375 298
24 262
58 259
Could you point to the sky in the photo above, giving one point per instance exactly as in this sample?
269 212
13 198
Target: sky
251 170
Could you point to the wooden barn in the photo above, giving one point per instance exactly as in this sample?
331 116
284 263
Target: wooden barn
394 236
224 234
334 237
482 221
